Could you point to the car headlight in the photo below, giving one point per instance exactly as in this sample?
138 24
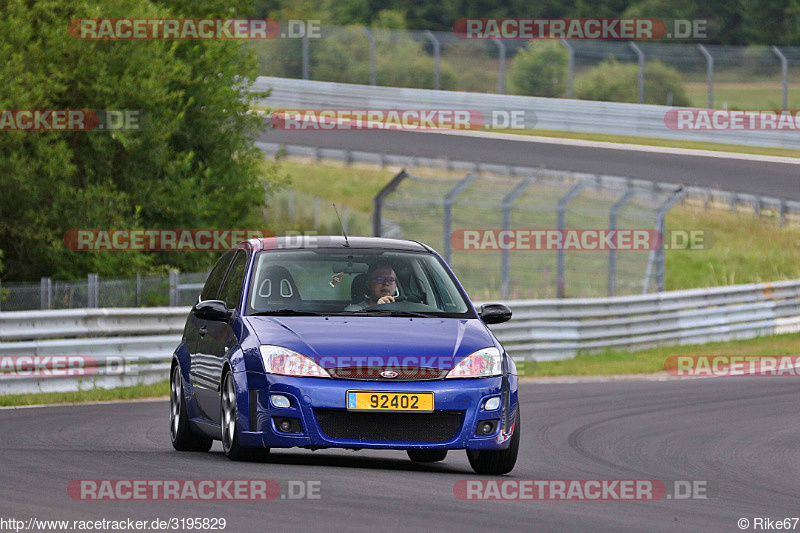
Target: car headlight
286 362
483 363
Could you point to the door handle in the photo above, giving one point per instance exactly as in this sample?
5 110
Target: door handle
203 331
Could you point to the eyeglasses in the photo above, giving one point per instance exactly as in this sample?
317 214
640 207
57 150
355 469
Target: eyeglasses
381 279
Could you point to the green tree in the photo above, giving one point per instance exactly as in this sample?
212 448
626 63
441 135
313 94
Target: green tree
539 69
190 164
774 22
612 81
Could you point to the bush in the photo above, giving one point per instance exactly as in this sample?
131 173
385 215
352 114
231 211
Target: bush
539 69
403 62
612 81
759 61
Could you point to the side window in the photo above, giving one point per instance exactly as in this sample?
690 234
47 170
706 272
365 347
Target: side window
214 280
232 288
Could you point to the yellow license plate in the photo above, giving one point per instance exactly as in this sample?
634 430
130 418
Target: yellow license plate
361 400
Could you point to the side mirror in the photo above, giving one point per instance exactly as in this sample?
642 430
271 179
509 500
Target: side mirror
494 313
213 310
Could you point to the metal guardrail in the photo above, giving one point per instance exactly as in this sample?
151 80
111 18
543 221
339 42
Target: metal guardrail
121 347
778 208
540 330
558 114
559 329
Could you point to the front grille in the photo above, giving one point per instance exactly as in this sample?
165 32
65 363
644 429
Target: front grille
404 373
420 427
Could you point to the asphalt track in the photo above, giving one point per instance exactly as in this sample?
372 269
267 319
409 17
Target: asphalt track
753 176
741 436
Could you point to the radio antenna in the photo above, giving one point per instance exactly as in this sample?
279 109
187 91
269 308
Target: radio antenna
346 242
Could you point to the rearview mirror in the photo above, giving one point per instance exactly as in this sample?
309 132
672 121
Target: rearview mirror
213 310
350 267
494 313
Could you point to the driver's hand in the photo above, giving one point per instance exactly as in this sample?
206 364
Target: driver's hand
385 300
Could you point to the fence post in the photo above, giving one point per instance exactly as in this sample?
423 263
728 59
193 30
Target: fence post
709 74
91 291
290 206
640 55
373 73
173 288
437 55
377 202
46 292
508 202
612 226
570 67
501 72
447 219
657 256
784 75
305 56
138 289
561 284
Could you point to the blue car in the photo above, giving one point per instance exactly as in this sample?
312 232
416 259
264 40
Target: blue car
330 342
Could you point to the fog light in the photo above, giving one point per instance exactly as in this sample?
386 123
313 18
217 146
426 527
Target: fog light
492 404
486 427
287 425
279 400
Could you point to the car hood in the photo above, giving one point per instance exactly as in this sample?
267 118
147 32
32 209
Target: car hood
347 341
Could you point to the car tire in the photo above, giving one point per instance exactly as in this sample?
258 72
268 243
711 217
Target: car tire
183 438
230 427
496 462
427 456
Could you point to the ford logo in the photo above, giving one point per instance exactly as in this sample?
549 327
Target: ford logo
389 374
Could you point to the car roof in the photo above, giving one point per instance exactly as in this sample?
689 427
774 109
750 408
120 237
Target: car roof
332 242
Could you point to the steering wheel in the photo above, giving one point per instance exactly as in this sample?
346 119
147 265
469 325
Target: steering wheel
408 298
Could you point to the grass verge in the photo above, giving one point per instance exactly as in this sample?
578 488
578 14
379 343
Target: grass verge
612 362
136 392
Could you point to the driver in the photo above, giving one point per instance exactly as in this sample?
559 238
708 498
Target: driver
381 287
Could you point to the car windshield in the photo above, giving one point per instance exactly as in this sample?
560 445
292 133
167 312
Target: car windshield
354 282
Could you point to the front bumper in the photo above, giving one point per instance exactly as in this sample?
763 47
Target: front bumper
319 405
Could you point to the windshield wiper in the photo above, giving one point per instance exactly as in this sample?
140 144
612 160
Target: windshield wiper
285 312
393 312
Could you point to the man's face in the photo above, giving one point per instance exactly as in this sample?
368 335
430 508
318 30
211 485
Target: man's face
382 287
